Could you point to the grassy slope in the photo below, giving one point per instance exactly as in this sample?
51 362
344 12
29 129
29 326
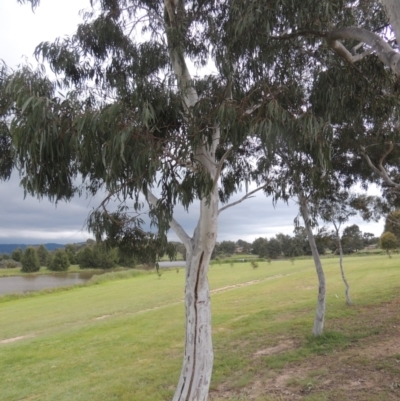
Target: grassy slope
123 340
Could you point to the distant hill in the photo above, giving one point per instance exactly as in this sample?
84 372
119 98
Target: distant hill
8 248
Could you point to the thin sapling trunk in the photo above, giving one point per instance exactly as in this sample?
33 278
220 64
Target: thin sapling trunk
320 312
339 242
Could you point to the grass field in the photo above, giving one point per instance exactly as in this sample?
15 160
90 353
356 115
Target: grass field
123 339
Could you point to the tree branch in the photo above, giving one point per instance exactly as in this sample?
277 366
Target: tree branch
190 96
247 196
381 171
220 164
377 45
383 50
179 231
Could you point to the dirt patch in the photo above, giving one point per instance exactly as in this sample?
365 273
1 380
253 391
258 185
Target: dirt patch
234 286
230 287
102 317
367 369
11 340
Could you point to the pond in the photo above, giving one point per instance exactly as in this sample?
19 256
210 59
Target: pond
176 263
31 282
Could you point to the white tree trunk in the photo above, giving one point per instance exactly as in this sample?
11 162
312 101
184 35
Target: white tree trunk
197 366
320 313
392 9
194 381
347 291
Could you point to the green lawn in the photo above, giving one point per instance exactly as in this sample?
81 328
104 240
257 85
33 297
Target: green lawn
123 339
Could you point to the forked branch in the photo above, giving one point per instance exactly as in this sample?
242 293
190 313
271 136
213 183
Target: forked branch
375 44
380 169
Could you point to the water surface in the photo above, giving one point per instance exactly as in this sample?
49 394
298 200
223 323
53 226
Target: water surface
31 282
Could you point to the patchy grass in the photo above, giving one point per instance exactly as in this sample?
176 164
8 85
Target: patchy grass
123 339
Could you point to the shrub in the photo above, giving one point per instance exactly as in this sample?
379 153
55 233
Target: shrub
59 262
254 264
16 254
9 264
71 253
42 254
388 242
30 261
5 256
98 257
12 264
85 258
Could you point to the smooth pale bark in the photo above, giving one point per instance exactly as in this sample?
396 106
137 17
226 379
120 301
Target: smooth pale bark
347 292
194 381
382 49
392 10
346 284
318 327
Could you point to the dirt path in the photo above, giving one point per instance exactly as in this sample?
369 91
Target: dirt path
11 340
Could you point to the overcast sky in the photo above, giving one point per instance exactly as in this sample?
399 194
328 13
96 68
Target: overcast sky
31 221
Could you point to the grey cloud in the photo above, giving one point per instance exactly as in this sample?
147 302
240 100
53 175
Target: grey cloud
30 220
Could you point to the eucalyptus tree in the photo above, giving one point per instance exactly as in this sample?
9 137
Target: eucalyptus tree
352 72
337 211
304 205
388 241
132 120
298 170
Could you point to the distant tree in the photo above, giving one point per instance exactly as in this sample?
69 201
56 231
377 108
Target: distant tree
295 247
16 254
246 246
285 242
43 255
227 247
263 251
97 257
337 212
184 253
30 261
180 247
301 241
369 239
70 250
59 261
85 258
215 252
5 256
259 246
126 259
352 239
274 248
388 242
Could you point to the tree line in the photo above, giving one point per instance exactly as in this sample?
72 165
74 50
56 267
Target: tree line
89 255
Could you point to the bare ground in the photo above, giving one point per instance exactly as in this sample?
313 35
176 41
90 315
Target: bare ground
366 370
